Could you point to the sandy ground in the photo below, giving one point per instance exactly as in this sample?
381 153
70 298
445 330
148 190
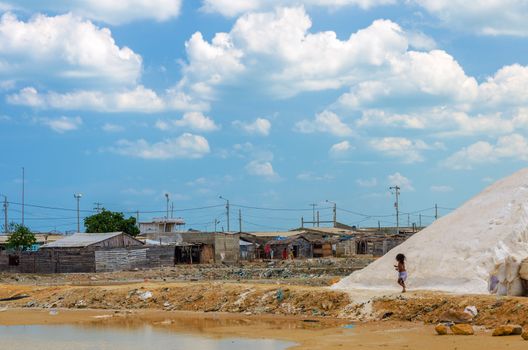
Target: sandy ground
316 334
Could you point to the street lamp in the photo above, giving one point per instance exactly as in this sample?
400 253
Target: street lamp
78 197
227 211
334 211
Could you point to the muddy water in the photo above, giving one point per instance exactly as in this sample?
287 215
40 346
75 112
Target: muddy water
61 337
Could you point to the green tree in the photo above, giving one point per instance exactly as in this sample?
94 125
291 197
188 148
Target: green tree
21 238
110 221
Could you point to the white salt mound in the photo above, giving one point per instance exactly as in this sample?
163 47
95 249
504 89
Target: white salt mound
468 251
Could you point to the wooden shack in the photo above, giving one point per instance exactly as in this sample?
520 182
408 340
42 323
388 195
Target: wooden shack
193 253
298 245
94 240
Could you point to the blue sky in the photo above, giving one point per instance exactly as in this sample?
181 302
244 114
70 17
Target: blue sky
271 104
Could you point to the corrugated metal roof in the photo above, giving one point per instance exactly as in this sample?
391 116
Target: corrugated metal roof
276 234
79 240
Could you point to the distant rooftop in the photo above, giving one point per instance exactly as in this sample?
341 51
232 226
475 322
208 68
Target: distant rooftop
81 240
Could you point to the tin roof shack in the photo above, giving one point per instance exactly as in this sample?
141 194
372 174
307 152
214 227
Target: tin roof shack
376 244
249 248
193 253
226 245
95 240
91 252
345 247
298 246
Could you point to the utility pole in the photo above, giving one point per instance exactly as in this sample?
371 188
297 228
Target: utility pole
420 220
379 226
436 211
172 210
216 221
318 218
334 212
397 206
408 220
313 205
6 227
98 207
78 197
167 199
23 189
227 212
302 221
239 220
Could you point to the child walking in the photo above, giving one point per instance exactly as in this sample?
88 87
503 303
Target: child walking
402 273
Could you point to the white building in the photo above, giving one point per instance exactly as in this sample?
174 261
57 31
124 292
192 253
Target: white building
161 225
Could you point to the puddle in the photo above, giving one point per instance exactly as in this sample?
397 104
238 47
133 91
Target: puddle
140 338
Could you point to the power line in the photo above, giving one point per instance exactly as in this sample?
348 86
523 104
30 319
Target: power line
275 209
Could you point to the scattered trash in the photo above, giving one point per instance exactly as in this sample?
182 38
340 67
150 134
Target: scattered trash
311 321
471 310
146 295
349 326
280 295
54 312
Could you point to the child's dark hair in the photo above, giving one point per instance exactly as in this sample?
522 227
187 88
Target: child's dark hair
400 258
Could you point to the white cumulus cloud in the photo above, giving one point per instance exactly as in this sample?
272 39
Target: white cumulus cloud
409 151
113 12
232 8
260 126
185 146
261 168
64 47
513 147
62 124
398 179
192 120
490 17
324 122
340 148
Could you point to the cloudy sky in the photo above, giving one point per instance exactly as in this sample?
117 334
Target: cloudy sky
271 104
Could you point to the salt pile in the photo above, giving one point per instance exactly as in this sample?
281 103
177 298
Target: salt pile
468 251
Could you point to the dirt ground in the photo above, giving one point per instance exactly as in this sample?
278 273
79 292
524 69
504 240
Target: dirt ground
251 298
308 334
280 295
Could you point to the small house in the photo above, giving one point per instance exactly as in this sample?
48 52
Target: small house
94 240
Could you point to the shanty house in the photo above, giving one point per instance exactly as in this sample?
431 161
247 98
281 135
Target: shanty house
193 253
299 246
94 240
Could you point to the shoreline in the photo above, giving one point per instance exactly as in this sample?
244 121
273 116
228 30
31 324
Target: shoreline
323 334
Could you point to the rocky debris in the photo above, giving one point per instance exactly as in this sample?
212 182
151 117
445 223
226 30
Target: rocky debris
507 330
462 329
524 335
441 329
316 272
456 316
